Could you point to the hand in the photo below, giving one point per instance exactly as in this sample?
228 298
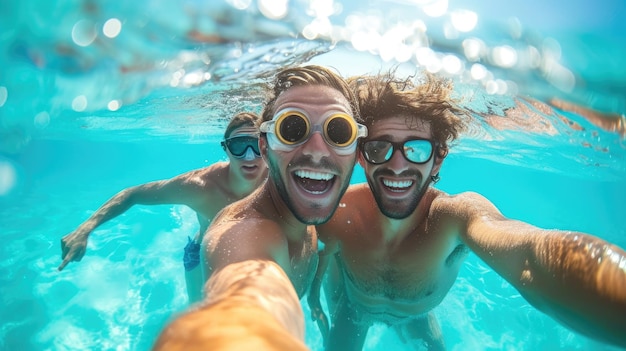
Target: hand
73 247
318 315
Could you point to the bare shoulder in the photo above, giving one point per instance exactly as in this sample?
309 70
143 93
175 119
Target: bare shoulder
206 177
463 205
242 232
355 207
355 196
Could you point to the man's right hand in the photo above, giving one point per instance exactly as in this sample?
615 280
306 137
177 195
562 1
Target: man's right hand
73 247
318 315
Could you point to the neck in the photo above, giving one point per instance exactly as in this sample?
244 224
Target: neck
293 229
398 229
240 186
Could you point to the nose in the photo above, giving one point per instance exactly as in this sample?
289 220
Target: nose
316 147
398 163
249 155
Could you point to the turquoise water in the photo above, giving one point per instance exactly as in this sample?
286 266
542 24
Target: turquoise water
79 123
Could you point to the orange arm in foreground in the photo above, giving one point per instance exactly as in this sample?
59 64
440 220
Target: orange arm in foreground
251 306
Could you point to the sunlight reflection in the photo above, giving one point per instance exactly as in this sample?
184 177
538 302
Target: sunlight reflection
464 20
114 105
42 119
273 9
84 33
79 104
478 71
8 177
436 8
474 49
504 56
112 28
4 93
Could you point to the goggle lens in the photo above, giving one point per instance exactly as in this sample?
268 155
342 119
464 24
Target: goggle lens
415 150
340 131
238 145
293 129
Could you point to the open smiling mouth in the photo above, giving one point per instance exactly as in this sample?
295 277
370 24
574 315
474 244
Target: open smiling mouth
314 182
397 185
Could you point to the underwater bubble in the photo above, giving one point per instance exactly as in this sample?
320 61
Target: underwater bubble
112 28
84 33
79 104
114 105
42 119
4 93
8 177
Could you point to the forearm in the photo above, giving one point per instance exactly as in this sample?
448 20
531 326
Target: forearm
114 207
316 284
580 280
254 299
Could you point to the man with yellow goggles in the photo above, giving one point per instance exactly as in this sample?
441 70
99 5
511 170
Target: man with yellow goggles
292 127
260 253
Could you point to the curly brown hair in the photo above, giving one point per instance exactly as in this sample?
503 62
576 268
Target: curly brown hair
308 75
385 96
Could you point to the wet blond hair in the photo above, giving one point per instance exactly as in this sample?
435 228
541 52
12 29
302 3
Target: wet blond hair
308 75
243 119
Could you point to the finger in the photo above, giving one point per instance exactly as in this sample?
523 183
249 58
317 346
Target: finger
64 263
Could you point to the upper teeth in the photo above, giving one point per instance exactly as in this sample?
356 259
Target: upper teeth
397 183
314 175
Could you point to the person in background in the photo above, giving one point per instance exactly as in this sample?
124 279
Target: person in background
205 190
260 253
394 248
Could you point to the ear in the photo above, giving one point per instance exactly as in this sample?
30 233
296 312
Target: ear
439 157
263 147
359 158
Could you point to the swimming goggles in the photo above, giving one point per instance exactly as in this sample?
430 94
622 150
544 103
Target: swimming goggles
292 127
238 145
414 150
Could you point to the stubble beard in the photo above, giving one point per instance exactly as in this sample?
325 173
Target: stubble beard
276 176
397 209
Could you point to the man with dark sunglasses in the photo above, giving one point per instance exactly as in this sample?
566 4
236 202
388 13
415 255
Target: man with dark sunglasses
206 191
395 246
260 253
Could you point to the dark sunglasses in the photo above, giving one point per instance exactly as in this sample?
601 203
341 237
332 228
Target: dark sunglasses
414 150
238 145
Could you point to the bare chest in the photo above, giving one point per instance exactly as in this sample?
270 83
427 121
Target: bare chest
415 269
303 262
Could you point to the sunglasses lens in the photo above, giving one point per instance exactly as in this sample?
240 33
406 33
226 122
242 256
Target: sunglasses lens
418 151
293 129
238 145
377 151
340 131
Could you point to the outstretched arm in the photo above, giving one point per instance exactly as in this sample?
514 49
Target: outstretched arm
250 305
177 190
578 279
